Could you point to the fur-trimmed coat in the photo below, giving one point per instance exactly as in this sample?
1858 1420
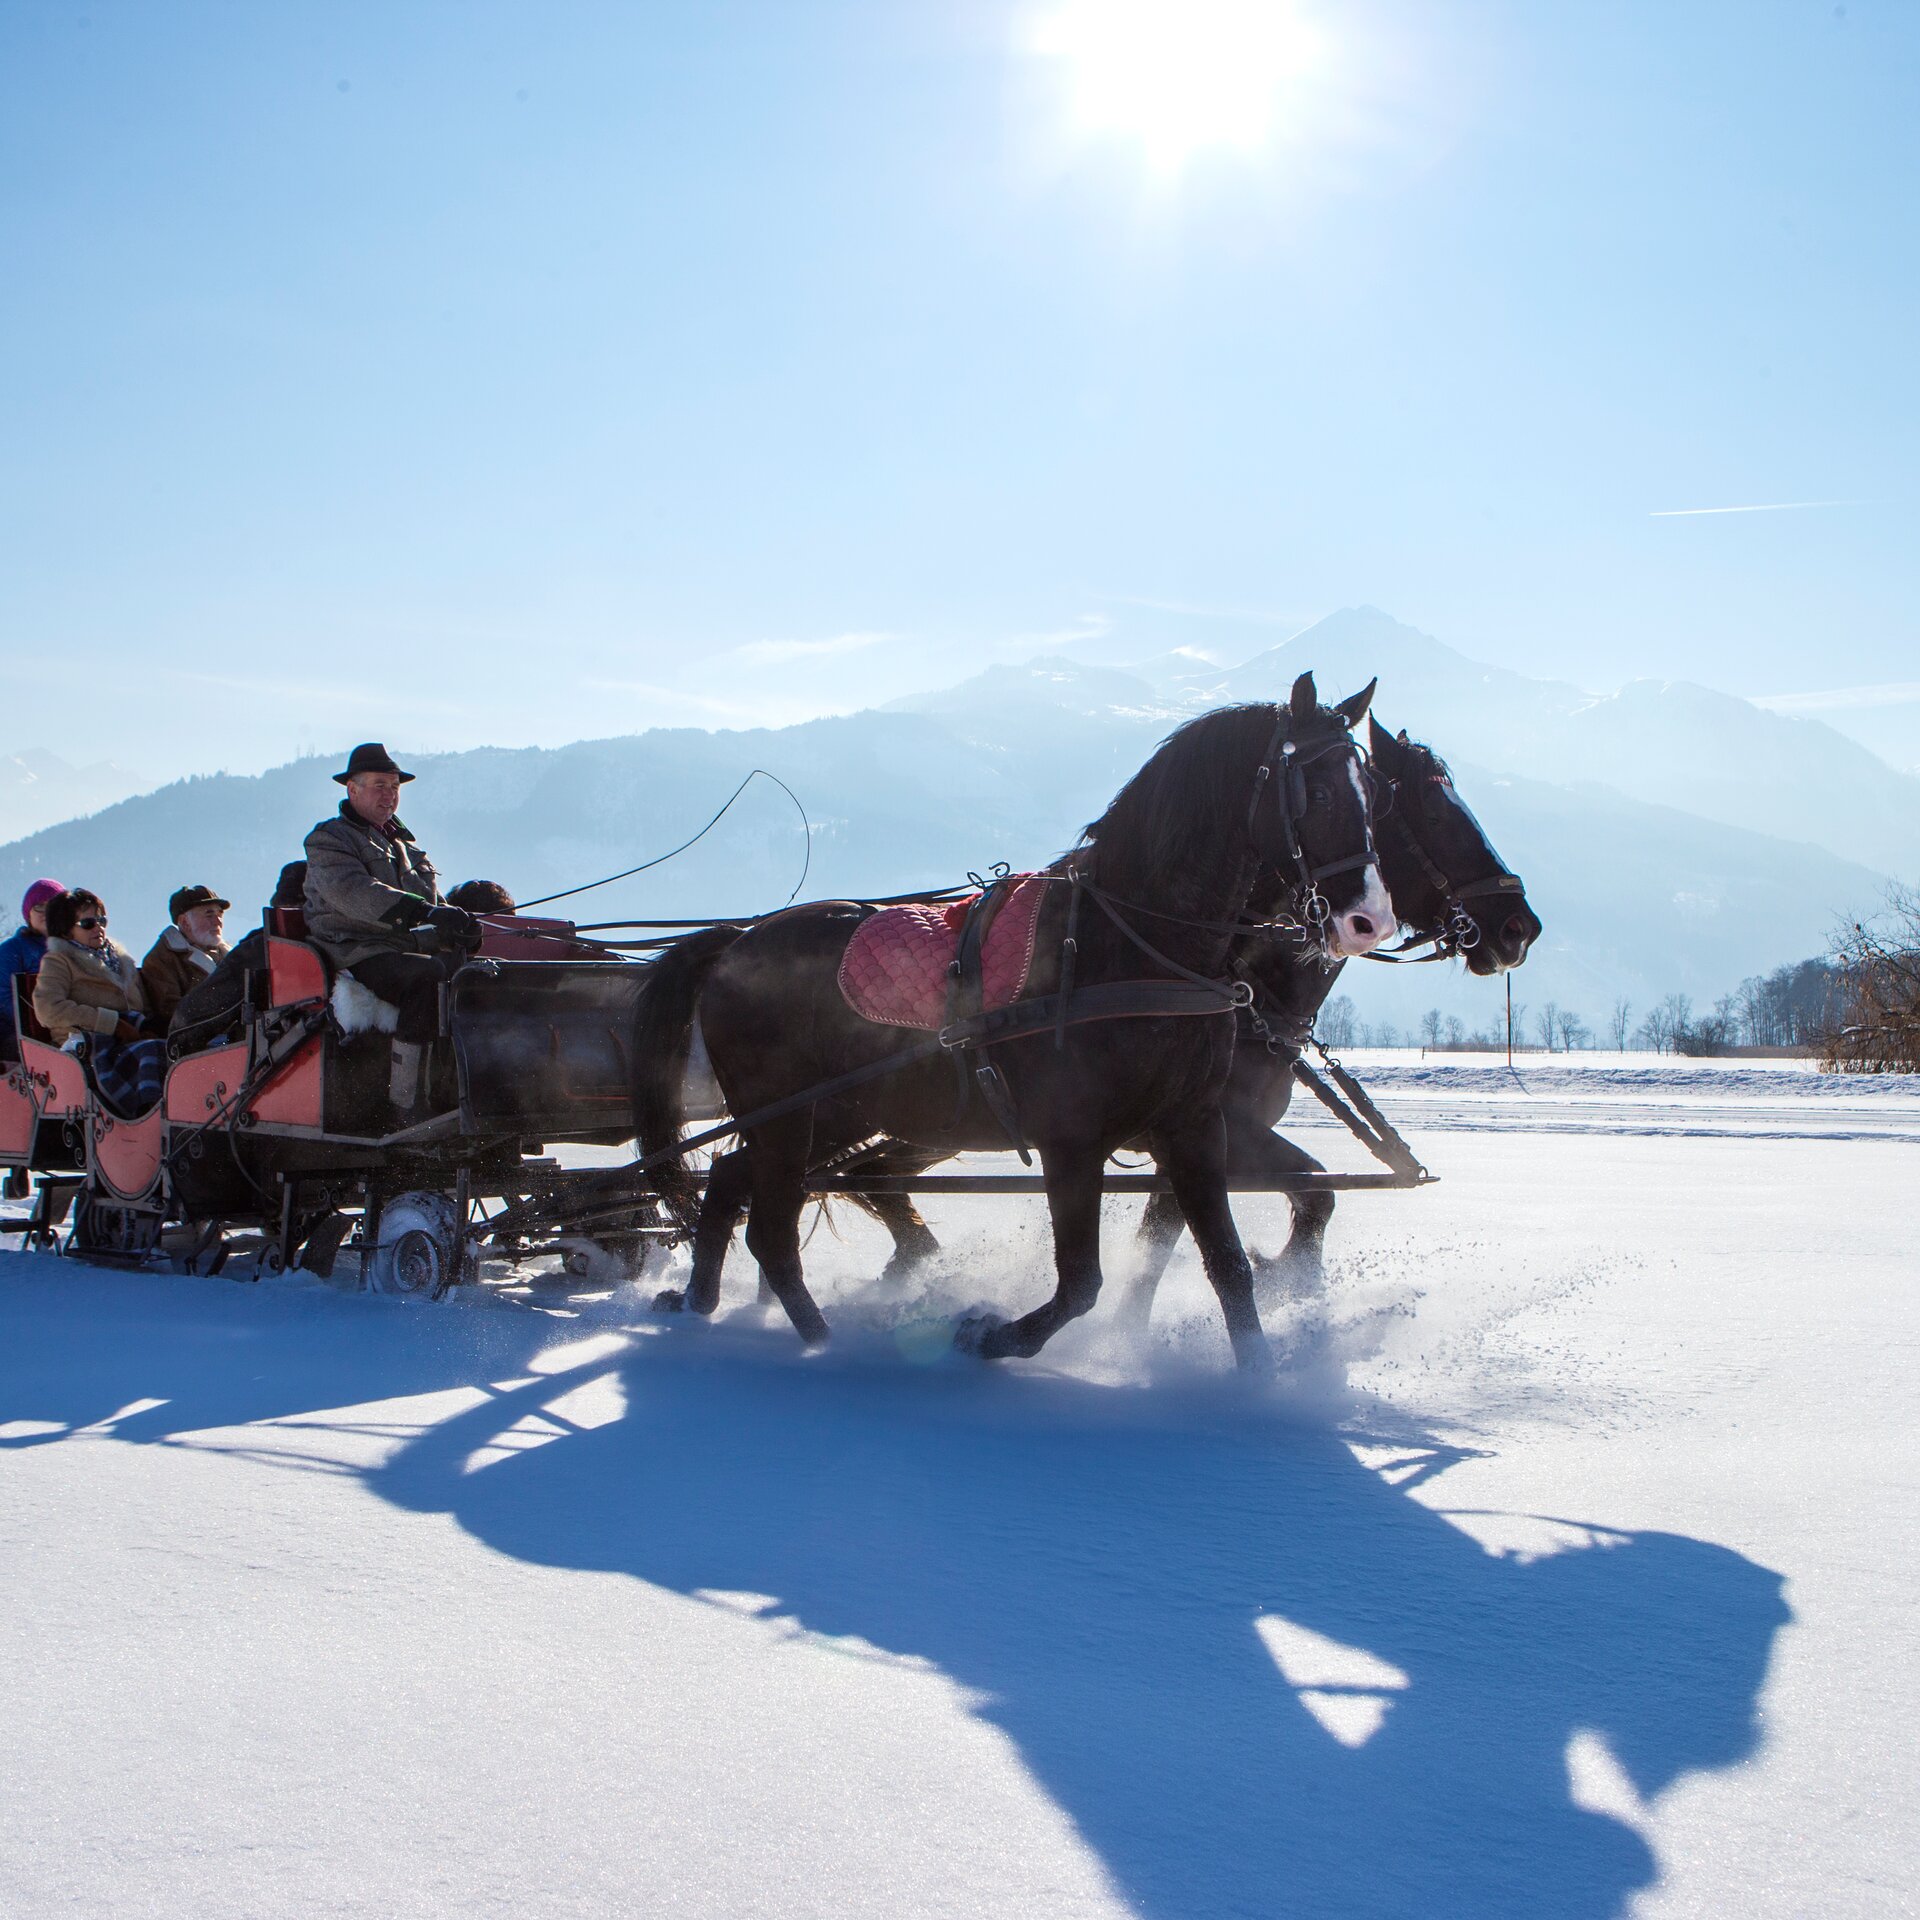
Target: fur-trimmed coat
81 991
174 967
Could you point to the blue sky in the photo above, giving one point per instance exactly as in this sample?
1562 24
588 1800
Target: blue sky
510 373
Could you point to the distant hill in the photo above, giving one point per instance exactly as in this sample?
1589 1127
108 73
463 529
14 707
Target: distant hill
1644 886
38 788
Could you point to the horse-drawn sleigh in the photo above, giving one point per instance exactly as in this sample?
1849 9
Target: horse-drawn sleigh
1154 989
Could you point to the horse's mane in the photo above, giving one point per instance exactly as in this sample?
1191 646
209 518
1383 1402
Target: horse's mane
1197 776
1419 750
1165 820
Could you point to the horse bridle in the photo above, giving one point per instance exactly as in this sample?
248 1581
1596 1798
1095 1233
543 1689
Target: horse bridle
1460 932
1290 795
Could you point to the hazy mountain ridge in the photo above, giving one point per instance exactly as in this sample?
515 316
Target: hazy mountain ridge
1670 742
1640 895
39 789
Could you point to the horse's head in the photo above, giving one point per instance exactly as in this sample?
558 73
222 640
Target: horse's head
1312 820
1444 876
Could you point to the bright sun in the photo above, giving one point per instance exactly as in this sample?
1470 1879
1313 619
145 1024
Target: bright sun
1177 77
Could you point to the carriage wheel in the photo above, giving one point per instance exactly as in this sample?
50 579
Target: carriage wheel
415 1251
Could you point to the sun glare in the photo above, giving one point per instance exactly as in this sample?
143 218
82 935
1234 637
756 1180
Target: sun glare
1177 77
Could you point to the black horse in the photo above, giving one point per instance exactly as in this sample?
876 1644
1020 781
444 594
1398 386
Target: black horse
1172 865
1448 886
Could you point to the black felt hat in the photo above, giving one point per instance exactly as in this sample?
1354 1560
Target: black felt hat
370 757
185 899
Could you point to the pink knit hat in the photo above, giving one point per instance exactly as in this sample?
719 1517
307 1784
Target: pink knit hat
38 895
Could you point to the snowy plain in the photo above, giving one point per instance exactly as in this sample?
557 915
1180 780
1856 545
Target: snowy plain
1567 1571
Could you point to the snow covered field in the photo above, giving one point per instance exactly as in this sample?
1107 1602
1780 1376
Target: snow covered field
1570 1573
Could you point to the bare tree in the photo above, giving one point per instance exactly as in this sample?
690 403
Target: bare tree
1337 1026
1456 1033
1874 1026
1620 1023
1574 1031
1662 1028
1549 1025
1790 1007
1430 1027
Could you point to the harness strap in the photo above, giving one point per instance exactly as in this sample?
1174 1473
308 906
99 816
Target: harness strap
1158 958
966 995
1109 1000
1069 956
1438 880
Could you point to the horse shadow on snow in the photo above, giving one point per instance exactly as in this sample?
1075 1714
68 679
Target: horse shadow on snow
1257 1674
1259 1677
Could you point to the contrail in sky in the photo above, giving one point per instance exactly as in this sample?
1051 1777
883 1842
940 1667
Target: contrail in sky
1777 506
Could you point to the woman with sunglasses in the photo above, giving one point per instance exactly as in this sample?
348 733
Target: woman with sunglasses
91 987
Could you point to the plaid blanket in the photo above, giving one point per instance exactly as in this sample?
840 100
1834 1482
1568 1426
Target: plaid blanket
129 1074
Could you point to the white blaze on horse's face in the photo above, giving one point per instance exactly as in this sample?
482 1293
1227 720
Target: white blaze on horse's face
1361 927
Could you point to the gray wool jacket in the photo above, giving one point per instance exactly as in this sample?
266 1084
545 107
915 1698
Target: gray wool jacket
357 875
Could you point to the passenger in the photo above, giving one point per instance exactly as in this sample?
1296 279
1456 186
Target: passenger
482 896
187 953
89 986
23 954
369 886
210 1013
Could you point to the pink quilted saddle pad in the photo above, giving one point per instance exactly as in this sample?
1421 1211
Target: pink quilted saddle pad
894 970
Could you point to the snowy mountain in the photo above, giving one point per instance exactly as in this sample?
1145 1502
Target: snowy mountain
1668 742
1639 898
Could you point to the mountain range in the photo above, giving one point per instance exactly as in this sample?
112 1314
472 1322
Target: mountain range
39 789
1672 838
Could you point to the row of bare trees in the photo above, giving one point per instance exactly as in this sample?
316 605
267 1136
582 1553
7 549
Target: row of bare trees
1859 1008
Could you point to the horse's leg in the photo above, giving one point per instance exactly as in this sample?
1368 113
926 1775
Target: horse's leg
720 1209
913 1241
1299 1269
779 1176
1161 1226
1194 1159
1073 1176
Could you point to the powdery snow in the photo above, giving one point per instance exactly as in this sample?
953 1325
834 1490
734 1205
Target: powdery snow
1568 1572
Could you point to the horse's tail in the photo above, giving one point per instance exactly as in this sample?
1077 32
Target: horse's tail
662 1041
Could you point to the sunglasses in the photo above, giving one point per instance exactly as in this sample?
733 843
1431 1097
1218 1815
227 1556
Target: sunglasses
90 924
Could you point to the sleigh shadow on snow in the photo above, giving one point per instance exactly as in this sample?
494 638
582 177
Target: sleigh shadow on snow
1257 1674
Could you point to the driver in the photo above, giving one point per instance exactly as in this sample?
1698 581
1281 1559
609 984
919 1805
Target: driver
369 887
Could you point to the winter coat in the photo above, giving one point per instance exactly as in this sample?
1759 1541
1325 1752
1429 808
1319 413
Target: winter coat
80 991
22 954
210 1013
358 875
173 968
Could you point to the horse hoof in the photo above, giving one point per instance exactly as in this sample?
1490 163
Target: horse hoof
670 1300
974 1332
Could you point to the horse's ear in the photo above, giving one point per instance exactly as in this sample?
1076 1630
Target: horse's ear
1382 748
1306 698
1355 705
